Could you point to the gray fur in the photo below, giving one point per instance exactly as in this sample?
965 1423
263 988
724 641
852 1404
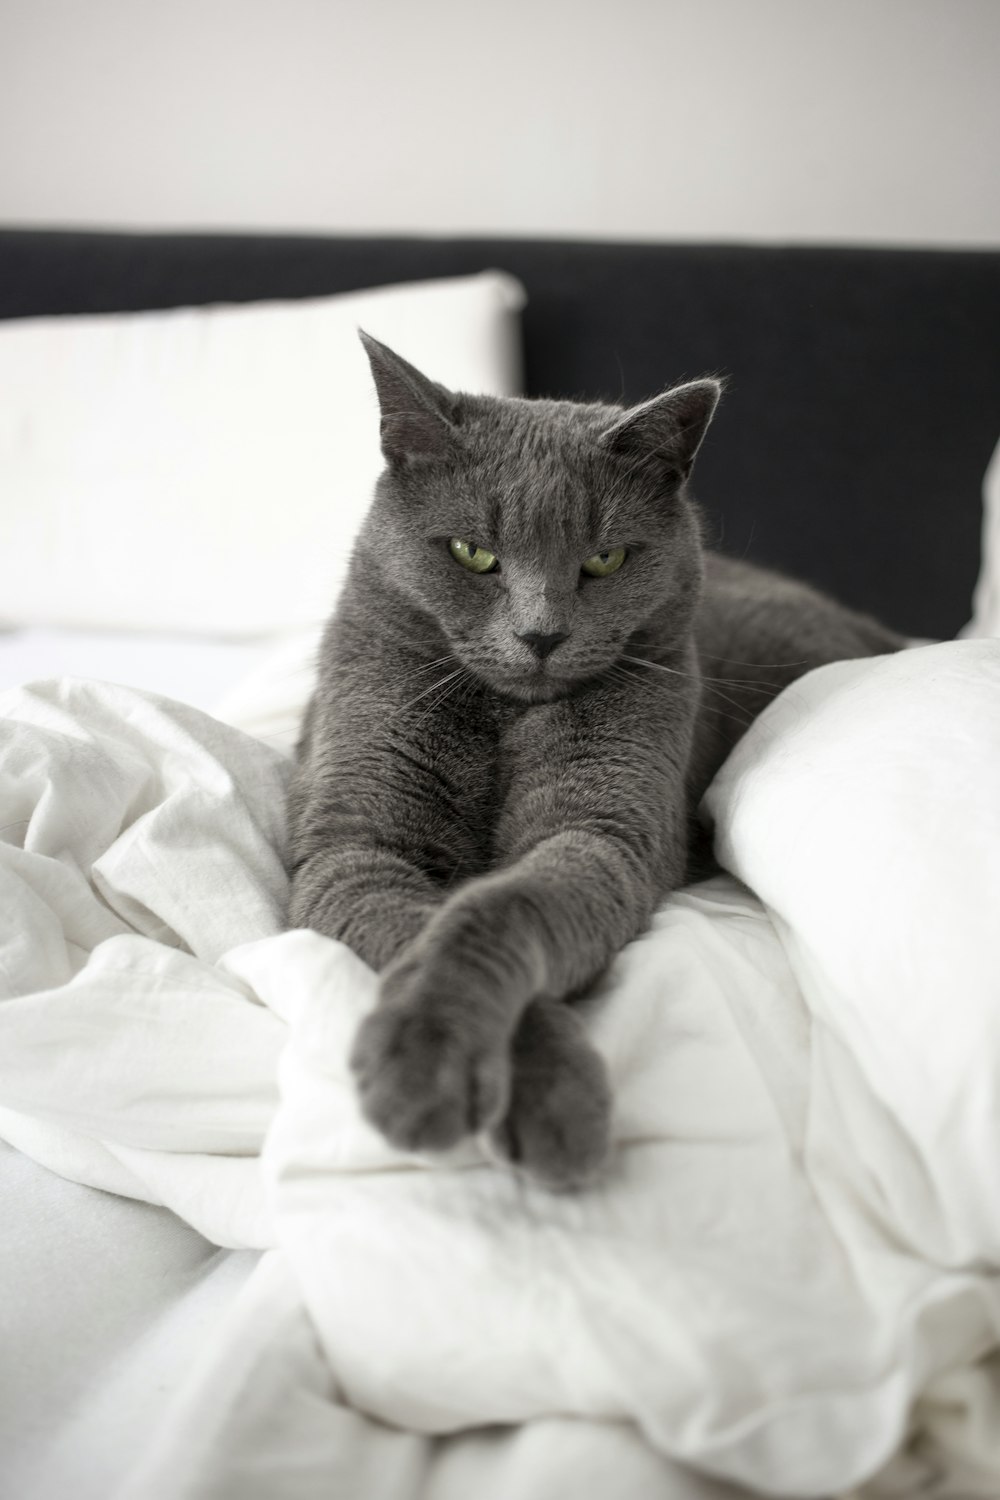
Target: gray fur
487 827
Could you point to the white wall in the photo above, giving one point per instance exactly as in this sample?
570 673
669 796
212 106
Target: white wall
863 120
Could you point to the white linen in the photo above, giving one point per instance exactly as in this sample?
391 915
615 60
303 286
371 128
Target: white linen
269 702
794 1257
162 470
899 961
104 1305
262 1416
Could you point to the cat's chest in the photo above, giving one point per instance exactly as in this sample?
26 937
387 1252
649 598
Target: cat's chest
494 756
459 754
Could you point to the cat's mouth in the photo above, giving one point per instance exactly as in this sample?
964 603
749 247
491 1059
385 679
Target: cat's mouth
541 690
539 683
536 680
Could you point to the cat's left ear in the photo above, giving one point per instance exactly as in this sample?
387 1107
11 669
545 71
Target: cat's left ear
415 412
668 428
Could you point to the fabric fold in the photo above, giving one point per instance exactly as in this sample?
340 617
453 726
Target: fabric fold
795 1247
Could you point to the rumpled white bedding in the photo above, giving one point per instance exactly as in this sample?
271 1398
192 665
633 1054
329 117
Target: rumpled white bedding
789 1276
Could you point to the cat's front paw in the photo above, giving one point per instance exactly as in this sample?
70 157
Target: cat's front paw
558 1123
429 1072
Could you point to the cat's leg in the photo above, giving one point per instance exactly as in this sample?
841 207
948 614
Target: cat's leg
543 1096
374 900
433 1061
391 803
558 1122
432 1064
592 834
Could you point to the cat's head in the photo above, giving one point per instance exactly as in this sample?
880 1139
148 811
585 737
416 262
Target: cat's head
539 535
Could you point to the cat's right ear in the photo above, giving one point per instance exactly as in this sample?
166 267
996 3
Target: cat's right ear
668 429
416 413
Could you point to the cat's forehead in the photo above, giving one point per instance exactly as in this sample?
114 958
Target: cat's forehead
537 470
532 429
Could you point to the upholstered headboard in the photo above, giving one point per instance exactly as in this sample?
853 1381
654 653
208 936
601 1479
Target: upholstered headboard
864 396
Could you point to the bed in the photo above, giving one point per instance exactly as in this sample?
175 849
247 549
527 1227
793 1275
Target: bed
217 1281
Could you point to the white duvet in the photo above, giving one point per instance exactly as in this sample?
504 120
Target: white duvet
790 1278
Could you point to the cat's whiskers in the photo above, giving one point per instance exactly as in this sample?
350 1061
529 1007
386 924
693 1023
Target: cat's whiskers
441 682
444 688
734 682
735 661
622 674
461 678
770 688
708 683
470 687
439 661
305 673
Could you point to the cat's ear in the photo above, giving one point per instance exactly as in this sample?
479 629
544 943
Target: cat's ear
415 411
669 428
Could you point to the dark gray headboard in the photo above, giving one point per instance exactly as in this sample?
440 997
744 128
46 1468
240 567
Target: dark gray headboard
864 397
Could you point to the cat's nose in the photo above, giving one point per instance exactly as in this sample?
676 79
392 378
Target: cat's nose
543 645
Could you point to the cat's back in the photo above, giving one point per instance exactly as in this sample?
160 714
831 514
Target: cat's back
763 623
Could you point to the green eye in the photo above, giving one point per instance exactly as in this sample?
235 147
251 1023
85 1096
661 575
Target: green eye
603 563
476 559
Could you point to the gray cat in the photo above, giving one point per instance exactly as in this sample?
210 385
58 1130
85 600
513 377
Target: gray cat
533 672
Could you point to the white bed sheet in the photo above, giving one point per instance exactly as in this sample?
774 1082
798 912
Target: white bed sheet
105 1302
796 1258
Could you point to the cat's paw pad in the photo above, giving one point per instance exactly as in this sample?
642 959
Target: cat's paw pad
428 1080
558 1124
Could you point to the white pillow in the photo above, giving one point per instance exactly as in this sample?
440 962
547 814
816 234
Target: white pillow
863 809
206 469
986 599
